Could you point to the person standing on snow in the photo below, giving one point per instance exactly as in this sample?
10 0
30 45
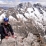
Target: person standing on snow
6 29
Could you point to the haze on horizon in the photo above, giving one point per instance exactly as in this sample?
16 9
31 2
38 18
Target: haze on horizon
15 2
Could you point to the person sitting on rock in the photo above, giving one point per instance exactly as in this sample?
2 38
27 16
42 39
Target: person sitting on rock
6 29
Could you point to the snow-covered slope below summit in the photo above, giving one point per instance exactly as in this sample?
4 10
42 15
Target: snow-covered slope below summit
21 17
35 12
38 18
3 15
11 18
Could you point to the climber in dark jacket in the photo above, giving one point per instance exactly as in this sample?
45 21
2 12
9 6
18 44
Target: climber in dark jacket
6 29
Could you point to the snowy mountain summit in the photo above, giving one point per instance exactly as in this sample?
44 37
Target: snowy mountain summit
26 11
28 20
35 11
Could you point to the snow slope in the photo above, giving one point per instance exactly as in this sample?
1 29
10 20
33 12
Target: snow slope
2 16
34 13
38 18
38 14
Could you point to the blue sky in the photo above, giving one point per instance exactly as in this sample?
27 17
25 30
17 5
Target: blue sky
24 0
20 0
6 0
28 0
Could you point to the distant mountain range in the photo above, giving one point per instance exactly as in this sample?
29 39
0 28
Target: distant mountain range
5 8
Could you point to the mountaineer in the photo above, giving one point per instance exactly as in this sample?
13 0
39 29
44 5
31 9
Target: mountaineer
6 29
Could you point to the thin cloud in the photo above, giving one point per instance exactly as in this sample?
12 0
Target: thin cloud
42 0
10 3
15 2
2 2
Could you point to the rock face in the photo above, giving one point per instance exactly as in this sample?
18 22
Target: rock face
8 42
24 20
31 40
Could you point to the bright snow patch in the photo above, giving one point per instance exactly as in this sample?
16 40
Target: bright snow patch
2 16
21 17
11 18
